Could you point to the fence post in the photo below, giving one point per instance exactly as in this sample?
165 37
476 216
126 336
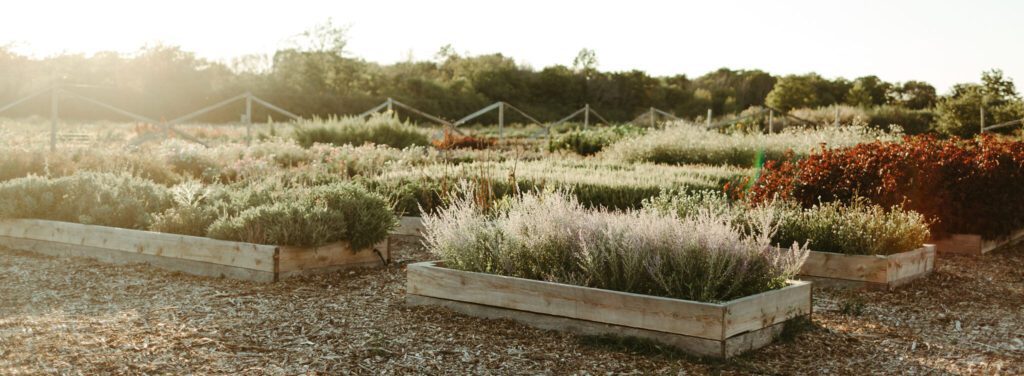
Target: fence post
501 120
586 115
653 119
390 105
709 119
982 111
837 116
248 118
54 102
771 119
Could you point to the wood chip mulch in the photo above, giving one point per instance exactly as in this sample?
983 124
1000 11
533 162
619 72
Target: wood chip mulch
78 316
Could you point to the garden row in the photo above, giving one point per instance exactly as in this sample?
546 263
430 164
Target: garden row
592 246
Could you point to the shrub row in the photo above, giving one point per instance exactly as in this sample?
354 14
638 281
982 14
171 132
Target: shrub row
961 186
858 228
382 129
595 184
265 212
593 140
690 144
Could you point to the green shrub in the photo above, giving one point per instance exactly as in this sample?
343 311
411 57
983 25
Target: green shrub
378 129
593 140
117 200
195 208
594 183
689 144
910 121
17 162
552 237
306 216
857 228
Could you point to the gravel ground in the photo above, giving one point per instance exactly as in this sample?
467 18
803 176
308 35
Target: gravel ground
77 316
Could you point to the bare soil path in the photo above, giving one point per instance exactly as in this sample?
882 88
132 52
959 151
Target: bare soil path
77 316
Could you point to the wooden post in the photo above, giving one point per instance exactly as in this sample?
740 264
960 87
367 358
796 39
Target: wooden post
771 119
54 100
390 105
501 120
709 119
837 116
586 115
982 111
248 118
653 124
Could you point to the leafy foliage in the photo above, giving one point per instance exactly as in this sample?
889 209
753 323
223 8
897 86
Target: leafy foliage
593 140
962 186
688 144
105 199
858 228
552 237
378 129
307 216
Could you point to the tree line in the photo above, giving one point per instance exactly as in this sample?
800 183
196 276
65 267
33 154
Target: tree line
321 80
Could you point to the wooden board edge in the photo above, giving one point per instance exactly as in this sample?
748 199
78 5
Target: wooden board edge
246 251
118 257
853 267
770 307
696 346
677 316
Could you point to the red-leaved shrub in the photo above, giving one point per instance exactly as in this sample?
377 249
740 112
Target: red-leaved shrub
963 186
455 141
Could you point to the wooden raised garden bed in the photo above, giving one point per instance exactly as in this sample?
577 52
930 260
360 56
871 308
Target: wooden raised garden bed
875 271
187 254
702 329
970 244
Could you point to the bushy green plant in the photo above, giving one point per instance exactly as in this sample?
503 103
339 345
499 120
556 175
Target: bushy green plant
195 208
858 228
552 237
690 144
378 129
117 200
594 183
306 216
910 121
593 140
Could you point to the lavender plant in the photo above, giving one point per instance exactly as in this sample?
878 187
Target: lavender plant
550 236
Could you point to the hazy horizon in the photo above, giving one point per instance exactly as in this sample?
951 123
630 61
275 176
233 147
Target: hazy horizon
942 44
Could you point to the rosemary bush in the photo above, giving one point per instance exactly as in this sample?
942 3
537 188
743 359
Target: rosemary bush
305 216
550 236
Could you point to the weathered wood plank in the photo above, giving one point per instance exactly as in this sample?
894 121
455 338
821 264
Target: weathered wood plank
691 345
866 268
906 266
759 311
58 249
886 271
336 256
236 254
695 319
959 244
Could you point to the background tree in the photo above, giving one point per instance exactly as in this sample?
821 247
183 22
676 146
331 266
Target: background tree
959 113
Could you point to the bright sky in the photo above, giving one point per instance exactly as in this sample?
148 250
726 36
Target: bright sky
942 42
